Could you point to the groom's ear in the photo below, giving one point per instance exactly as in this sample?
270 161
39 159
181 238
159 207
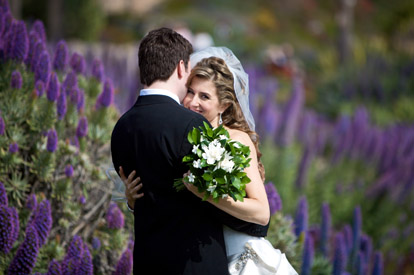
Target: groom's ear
181 71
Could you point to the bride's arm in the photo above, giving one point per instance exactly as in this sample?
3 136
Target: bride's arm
255 207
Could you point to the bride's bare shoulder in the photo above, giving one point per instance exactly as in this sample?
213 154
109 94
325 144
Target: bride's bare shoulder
240 136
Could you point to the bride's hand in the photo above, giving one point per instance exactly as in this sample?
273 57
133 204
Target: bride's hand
131 187
190 187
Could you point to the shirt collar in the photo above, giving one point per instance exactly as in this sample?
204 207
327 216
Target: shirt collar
145 92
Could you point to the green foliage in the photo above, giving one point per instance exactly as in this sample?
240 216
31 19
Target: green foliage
321 266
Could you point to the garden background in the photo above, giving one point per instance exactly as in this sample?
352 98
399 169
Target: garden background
331 90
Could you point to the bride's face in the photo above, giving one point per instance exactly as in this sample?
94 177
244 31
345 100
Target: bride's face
202 98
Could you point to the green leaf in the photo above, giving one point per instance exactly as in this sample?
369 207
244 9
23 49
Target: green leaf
207 177
188 158
190 137
236 182
196 136
239 196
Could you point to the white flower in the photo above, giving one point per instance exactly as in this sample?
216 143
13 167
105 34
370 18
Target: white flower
197 163
191 177
226 164
212 187
213 152
195 148
235 144
224 196
223 137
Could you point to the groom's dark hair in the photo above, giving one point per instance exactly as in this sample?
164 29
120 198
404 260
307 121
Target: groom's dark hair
159 54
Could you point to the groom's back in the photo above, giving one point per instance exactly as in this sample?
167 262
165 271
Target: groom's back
174 233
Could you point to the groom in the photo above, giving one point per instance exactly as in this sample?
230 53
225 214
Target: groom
175 232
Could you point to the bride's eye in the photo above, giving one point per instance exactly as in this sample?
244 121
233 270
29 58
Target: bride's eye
190 92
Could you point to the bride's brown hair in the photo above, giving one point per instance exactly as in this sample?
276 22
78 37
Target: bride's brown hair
216 70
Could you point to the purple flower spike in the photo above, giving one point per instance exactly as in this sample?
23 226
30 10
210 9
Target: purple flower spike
54 268
77 62
53 87
31 202
325 229
61 106
308 253
115 217
25 258
40 88
275 203
60 60
96 243
301 217
70 82
52 140
33 39
356 230
106 97
340 256
7 228
38 49
42 221
71 262
42 70
97 70
69 171
378 268
2 125
124 265
3 195
20 42
16 80
39 28
74 95
82 129
86 266
82 200
81 100
13 148
4 6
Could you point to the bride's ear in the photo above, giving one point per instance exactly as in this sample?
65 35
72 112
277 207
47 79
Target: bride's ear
224 107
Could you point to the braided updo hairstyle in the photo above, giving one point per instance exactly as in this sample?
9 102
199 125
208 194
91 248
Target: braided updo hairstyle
216 70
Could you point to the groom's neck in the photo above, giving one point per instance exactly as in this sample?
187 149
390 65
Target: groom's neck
165 85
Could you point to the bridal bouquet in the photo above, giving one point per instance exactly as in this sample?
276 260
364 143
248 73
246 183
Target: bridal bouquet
216 164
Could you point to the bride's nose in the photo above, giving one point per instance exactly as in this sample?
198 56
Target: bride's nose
194 102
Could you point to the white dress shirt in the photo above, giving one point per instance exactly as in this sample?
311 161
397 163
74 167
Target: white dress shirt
163 92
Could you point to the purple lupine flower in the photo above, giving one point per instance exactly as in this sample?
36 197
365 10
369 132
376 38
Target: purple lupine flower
378 268
13 148
71 81
3 195
39 87
33 39
301 217
360 264
74 141
68 170
61 57
16 80
53 87
52 140
42 221
115 217
38 48
81 100
325 229
86 266
82 200
61 106
31 202
356 232
131 244
106 97
42 70
304 167
77 62
366 247
124 265
74 95
340 256
20 42
54 268
308 253
347 231
39 28
25 258
71 262
96 243
2 126
82 129
97 70
9 228
4 6
275 203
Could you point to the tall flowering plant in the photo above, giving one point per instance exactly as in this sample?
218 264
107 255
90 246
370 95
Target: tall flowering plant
216 164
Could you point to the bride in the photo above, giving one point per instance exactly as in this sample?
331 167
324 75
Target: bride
218 89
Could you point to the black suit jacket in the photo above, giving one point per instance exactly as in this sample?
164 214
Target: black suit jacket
175 232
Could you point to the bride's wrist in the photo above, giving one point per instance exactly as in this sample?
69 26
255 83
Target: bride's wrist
131 209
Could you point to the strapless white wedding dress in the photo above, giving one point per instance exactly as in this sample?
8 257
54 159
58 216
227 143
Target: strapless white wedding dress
248 255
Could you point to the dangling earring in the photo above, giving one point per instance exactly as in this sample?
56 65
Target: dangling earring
220 120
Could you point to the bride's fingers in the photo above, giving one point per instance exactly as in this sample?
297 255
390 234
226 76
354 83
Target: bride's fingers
136 188
138 196
121 173
131 176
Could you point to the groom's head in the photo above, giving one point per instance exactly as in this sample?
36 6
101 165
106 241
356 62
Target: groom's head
160 52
